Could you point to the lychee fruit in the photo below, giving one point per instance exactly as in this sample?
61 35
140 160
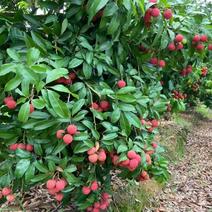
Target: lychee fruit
196 38
155 123
105 105
171 47
72 129
60 185
6 191
50 184
167 14
199 47
131 154
121 83
133 164
11 104
102 156
155 12
86 190
6 99
161 63
93 158
31 108
179 46
154 61
94 186
91 151
203 38
60 134
13 147
29 147
10 198
94 106
59 197
210 47
154 145
179 38
67 138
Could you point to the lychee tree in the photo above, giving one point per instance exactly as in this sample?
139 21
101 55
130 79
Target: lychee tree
83 86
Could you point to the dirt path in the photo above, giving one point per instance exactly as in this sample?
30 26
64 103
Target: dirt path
191 186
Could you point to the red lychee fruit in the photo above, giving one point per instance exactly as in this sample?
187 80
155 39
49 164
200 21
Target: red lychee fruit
29 147
11 104
6 191
94 186
204 71
153 1
133 164
138 158
94 106
13 147
6 99
93 158
50 184
203 38
67 139
59 197
96 210
60 134
105 196
199 47
102 156
121 83
31 108
21 146
148 159
10 198
210 47
189 69
89 209
155 123
86 190
150 130
72 129
115 160
97 205
196 38
161 63
167 14
60 184
179 38
179 46
155 12
171 47
105 105
154 145
147 17
131 154
125 163
154 61
72 76
91 151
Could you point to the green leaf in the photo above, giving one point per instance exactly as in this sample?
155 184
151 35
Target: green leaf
110 136
133 119
60 88
75 63
122 148
77 106
29 174
124 123
13 54
115 116
6 68
81 147
126 98
41 167
71 168
126 90
87 70
64 26
21 167
55 74
58 106
23 113
40 177
13 83
33 55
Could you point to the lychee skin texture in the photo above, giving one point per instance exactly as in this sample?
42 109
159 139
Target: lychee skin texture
210 47
131 154
155 123
94 106
105 105
105 196
154 61
11 104
72 129
67 139
59 197
93 158
29 147
121 83
167 14
6 191
6 99
204 38
60 185
171 47
196 38
138 158
10 198
179 38
102 156
86 190
50 184
91 151
180 46
125 162
21 146
155 12
31 108
60 134
94 186
96 210
161 63
133 164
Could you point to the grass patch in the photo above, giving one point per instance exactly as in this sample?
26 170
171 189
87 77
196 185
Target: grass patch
204 111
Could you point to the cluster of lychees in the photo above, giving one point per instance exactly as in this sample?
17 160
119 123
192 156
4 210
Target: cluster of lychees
55 187
7 192
102 106
177 43
179 95
186 71
150 125
131 163
96 155
86 190
67 81
27 147
67 137
156 62
101 205
143 176
198 41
